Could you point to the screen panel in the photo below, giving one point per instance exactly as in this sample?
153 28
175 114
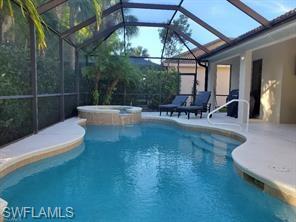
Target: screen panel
147 38
165 2
69 14
198 33
69 69
222 15
15 78
270 9
48 110
149 15
70 106
15 119
48 62
89 31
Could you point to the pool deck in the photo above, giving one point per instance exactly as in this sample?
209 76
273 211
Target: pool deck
268 155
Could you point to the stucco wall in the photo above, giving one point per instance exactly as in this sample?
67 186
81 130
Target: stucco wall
288 101
187 81
278 82
234 83
234 77
278 103
223 83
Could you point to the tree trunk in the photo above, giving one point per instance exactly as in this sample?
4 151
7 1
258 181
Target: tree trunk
6 31
1 27
98 76
110 90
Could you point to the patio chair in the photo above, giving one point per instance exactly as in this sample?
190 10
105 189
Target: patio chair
177 102
199 106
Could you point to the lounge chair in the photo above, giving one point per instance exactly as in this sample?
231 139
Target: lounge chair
199 106
177 102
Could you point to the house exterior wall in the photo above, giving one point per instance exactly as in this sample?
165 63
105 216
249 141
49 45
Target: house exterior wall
234 71
278 103
187 81
278 83
234 80
222 84
288 100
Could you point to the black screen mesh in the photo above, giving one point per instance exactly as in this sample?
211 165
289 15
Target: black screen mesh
70 106
49 111
16 119
49 78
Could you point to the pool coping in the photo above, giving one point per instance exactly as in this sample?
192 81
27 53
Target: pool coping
108 109
275 188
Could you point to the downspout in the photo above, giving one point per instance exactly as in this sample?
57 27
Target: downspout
206 66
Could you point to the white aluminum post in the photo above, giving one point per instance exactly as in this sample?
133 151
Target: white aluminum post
245 77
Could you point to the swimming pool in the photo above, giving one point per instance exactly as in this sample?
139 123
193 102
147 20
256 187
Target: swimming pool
145 172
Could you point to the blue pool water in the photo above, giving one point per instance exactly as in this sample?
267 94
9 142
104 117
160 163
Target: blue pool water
146 172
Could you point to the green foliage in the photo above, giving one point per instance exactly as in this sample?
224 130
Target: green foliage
15 119
137 51
160 85
131 31
28 8
15 76
121 71
15 115
78 10
109 70
14 70
48 67
173 45
15 79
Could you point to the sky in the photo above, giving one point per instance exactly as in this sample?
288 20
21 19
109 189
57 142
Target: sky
218 13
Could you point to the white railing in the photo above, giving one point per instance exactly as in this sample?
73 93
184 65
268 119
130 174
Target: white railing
231 124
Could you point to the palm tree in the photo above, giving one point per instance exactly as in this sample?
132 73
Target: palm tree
131 31
28 8
137 51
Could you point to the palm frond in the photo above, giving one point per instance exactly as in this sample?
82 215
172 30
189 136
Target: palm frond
98 7
10 8
28 9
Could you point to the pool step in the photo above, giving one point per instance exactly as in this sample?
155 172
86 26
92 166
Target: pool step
217 139
217 148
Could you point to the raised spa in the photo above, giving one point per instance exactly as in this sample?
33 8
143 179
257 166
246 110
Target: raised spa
110 115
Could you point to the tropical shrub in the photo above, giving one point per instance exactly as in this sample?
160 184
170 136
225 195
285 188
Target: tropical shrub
159 85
